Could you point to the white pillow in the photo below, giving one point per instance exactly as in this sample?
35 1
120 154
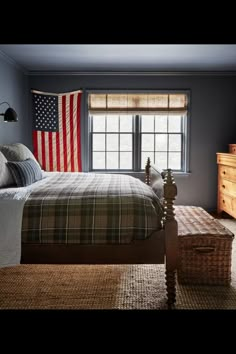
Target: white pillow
6 178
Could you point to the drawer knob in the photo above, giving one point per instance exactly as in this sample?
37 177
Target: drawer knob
223 201
223 185
224 172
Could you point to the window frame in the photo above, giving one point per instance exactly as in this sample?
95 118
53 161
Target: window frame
137 132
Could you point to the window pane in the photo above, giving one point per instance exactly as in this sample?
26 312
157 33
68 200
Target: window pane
126 142
161 142
99 123
126 161
175 160
112 123
145 155
99 160
126 123
161 160
147 123
112 160
174 142
112 142
99 142
161 124
147 142
174 124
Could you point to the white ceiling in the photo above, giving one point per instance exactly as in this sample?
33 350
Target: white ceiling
122 57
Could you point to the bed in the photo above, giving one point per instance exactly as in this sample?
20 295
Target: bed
69 218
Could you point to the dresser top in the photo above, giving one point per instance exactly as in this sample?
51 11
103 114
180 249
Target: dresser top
226 154
226 159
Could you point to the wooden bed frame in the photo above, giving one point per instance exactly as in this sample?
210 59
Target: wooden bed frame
160 248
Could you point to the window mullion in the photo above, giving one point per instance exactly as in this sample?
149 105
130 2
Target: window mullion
106 142
183 144
119 143
136 144
154 135
168 137
91 143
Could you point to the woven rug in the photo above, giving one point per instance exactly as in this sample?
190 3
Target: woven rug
106 287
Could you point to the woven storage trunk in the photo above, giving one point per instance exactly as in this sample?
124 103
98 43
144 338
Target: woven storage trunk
205 248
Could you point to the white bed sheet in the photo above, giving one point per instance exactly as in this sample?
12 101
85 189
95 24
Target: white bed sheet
12 202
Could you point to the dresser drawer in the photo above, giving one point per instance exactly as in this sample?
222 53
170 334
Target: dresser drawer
226 172
227 203
227 187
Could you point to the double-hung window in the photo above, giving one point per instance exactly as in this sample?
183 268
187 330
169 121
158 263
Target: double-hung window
125 129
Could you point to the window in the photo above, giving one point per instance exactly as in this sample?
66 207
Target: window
112 142
162 140
125 129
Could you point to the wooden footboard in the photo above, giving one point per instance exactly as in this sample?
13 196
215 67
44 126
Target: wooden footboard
170 229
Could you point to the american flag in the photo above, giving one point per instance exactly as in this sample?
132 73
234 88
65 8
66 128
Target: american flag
56 132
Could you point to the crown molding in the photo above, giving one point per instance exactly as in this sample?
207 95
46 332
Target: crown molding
132 73
12 62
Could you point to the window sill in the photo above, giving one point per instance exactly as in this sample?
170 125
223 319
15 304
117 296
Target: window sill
133 173
184 174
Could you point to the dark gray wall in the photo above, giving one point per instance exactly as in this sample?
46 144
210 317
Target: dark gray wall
212 121
14 90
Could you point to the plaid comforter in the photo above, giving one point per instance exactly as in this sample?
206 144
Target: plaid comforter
90 208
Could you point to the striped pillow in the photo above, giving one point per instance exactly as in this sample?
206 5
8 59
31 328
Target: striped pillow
25 172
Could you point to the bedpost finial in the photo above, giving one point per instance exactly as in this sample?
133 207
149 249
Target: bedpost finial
170 188
170 192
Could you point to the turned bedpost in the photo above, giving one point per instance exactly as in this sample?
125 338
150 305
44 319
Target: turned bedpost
171 236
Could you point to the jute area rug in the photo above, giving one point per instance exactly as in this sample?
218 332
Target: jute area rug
106 287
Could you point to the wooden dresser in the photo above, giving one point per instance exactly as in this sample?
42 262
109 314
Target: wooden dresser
226 183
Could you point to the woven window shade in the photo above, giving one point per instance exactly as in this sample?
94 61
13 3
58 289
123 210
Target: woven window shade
137 103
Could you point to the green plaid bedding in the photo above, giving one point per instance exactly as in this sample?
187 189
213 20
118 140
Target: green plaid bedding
88 208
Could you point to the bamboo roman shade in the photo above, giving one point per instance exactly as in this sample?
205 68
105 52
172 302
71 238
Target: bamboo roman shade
137 103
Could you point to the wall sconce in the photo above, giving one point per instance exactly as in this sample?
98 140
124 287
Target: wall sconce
10 115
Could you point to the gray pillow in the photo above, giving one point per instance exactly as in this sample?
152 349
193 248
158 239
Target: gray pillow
17 152
25 172
6 178
157 184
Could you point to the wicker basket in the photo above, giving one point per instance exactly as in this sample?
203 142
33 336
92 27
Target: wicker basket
205 248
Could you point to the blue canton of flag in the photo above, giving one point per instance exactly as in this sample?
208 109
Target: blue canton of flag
45 113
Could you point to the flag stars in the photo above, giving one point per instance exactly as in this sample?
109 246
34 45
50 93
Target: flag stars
46 109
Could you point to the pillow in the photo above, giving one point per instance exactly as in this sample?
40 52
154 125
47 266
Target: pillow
17 152
25 172
157 185
6 178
